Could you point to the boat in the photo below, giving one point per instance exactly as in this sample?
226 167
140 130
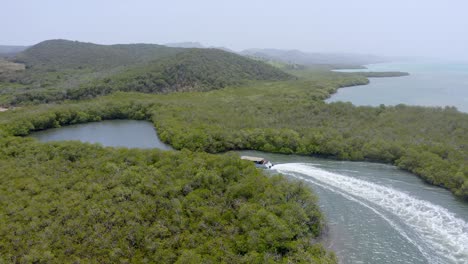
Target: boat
259 162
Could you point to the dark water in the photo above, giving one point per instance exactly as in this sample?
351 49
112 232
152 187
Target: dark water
112 133
379 214
429 84
376 213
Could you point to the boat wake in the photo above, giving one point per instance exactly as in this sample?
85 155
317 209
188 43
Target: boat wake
438 234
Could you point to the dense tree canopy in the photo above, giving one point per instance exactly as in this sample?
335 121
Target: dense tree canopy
74 202
284 117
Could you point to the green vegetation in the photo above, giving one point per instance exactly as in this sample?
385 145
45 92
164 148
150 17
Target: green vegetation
59 70
54 66
65 54
192 70
74 202
286 117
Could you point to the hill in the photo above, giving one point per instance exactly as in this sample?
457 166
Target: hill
305 58
59 54
61 69
191 70
198 69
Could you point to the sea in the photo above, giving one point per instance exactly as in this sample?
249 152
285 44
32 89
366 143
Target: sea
433 83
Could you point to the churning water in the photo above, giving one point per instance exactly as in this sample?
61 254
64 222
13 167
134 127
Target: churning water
377 213
437 234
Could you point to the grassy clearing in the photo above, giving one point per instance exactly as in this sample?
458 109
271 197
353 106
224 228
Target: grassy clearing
7 66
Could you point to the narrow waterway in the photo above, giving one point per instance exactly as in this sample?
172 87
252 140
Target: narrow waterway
375 213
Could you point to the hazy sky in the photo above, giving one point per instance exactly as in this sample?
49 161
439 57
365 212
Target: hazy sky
387 27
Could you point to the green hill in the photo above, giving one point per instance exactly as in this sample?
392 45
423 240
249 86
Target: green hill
191 70
58 65
61 69
60 54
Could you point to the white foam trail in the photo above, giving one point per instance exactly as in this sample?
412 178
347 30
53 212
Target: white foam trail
426 254
444 233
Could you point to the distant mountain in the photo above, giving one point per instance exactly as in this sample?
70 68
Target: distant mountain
10 51
185 45
225 49
305 58
197 45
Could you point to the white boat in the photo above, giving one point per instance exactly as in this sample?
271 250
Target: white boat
259 162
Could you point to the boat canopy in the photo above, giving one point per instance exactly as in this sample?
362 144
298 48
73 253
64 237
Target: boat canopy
255 159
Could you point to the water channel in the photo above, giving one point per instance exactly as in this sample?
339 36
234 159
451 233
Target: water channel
375 213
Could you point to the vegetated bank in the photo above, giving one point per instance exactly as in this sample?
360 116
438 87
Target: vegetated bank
289 117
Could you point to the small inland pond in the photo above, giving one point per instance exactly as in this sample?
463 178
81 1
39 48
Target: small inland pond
109 133
375 213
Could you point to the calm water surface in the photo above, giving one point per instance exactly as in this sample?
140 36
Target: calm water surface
429 84
111 133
